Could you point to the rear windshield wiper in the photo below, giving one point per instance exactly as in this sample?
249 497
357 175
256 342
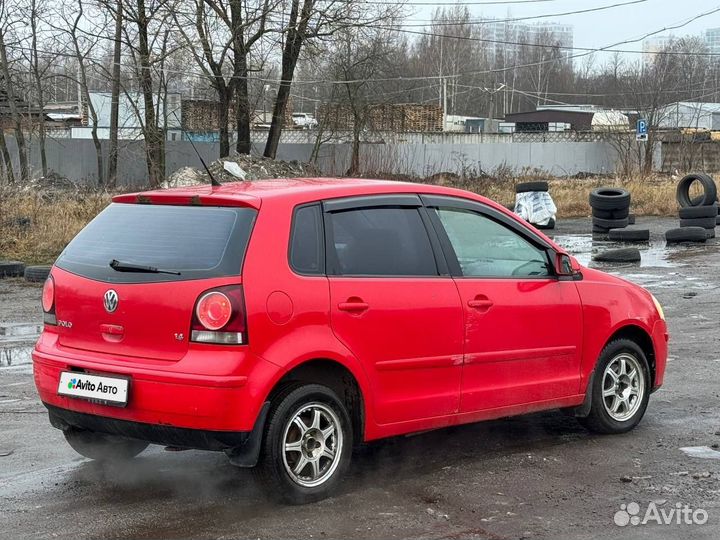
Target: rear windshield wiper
120 266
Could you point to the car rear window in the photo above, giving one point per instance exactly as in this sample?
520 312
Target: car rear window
198 242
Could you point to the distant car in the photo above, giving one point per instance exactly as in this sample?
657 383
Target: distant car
285 321
304 120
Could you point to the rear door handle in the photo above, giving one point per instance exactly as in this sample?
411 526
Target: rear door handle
480 302
353 306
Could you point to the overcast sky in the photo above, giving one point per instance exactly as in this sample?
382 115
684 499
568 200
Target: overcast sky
609 26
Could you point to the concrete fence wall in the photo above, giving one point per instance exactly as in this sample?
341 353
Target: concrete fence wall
698 156
76 159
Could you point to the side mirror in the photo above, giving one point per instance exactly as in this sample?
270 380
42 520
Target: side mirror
563 265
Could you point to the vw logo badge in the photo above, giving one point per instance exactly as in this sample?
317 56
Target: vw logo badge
111 301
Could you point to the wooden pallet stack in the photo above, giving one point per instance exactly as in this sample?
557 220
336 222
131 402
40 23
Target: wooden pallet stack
396 117
201 115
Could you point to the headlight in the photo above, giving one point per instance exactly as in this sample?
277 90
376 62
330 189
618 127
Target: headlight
658 307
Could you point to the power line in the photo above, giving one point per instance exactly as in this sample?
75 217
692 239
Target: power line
697 86
432 22
586 52
458 3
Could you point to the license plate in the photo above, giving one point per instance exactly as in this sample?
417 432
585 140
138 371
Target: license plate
111 390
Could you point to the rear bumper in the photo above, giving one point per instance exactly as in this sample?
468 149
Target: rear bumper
161 396
243 448
64 419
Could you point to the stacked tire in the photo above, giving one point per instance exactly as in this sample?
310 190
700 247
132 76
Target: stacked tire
698 214
610 209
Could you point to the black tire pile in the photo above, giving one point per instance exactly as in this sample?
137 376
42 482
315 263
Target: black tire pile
610 209
611 215
34 274
698 215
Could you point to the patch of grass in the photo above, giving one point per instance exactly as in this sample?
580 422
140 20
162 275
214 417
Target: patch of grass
36 227
650 197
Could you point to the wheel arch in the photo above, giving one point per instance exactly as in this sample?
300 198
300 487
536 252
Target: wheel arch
335 375
642 338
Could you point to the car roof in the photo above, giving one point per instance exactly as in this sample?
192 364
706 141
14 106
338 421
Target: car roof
295 190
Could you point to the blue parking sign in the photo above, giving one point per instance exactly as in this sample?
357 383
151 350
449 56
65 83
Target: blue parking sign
641 130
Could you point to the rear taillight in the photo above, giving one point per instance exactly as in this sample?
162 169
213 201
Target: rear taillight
214 310
48 301
219 317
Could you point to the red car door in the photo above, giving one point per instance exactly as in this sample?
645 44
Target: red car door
392 306
523 325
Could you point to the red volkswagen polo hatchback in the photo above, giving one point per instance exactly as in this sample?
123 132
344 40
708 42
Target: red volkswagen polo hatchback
283 322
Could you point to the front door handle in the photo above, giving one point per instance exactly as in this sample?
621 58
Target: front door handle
353 305
480 302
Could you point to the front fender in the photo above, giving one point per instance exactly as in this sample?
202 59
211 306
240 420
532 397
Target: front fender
609 306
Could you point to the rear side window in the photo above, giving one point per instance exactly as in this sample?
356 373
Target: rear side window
306 241
381 242
198 242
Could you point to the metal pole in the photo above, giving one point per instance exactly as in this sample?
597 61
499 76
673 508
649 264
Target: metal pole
444 104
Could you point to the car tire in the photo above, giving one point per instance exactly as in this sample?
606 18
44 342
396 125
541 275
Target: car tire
11 269
103 446
619 213
622 410
631 219
610 223
704 222
629 235
682 193
525 187
606 198
318 409
37 274
624 255
710 233
686 234
694 212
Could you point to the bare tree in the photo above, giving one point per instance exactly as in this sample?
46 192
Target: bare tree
311 20
37 9
7 169
146 20
361 57
8 20
83 45
210 47
115 96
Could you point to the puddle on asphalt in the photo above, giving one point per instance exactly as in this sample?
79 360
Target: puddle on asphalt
15 356
704 452
653 254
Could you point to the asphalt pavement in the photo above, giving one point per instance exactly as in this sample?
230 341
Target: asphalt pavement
536 476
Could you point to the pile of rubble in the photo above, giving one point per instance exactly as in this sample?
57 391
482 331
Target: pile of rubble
52 183
241 167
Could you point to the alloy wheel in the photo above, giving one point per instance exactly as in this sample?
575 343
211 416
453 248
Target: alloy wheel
312 444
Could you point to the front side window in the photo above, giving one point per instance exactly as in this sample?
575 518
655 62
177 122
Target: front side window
486 248
381 242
